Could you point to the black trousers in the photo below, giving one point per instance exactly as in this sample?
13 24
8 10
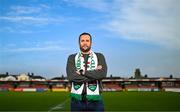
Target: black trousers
85 105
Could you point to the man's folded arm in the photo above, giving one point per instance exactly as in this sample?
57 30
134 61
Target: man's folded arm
100 73
71 71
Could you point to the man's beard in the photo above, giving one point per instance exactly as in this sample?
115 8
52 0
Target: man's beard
85 50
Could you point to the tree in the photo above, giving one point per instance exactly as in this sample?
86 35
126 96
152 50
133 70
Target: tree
111 75
32 74
131 77
62 76
171 76
145 76
7 73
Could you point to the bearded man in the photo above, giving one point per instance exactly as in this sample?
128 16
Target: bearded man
85 71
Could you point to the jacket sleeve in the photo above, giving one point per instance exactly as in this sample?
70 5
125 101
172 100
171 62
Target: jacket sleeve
71 71
98 74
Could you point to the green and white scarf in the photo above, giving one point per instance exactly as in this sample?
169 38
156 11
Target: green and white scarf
92 89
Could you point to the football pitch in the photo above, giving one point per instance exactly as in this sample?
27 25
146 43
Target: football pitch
113 101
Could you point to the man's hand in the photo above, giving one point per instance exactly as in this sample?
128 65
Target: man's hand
99 67
80 72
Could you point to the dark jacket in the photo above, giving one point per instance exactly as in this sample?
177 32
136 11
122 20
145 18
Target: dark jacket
89 75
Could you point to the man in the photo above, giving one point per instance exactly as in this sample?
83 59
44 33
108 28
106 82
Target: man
85 70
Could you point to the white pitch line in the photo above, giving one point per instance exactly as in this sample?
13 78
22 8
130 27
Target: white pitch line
59 106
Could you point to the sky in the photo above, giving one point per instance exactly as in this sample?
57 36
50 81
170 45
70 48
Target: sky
38 35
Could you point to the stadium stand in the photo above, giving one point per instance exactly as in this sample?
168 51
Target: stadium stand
58 84
111 87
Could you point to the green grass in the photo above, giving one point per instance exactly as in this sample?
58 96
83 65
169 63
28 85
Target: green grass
142 101
114 101
32 101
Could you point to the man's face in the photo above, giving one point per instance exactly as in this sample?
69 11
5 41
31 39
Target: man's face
85 43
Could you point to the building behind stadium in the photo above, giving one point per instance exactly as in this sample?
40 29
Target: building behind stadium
30 82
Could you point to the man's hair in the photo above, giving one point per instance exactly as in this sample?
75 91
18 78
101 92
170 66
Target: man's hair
85 33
